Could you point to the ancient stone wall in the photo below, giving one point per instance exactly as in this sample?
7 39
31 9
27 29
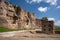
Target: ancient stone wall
38 23
47 26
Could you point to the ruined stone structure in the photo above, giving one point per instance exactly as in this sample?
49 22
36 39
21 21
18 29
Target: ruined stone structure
14 17
45 25
38 23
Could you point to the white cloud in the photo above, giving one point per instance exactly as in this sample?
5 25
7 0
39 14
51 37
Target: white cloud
53 19
52 2
33 1
43 9
57 23
58 6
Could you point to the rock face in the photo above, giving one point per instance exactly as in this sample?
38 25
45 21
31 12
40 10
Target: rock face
15 17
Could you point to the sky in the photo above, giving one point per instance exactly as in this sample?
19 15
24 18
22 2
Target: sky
41 8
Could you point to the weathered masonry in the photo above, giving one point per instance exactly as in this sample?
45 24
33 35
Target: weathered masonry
45 25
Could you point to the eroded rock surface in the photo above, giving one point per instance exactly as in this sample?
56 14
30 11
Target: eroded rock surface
15 17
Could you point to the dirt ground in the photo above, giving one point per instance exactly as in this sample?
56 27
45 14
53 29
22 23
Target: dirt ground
29 36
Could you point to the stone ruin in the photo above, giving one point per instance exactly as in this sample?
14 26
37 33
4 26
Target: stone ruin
45 25
14 17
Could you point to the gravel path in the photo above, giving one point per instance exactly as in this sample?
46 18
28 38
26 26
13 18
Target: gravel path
26 35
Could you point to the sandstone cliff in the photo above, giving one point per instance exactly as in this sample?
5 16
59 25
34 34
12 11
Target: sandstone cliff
14 17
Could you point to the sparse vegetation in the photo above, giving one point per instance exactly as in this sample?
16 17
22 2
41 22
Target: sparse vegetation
27 28
3 29
57 28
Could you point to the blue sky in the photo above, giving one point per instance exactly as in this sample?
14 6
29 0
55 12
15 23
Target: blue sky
41 8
